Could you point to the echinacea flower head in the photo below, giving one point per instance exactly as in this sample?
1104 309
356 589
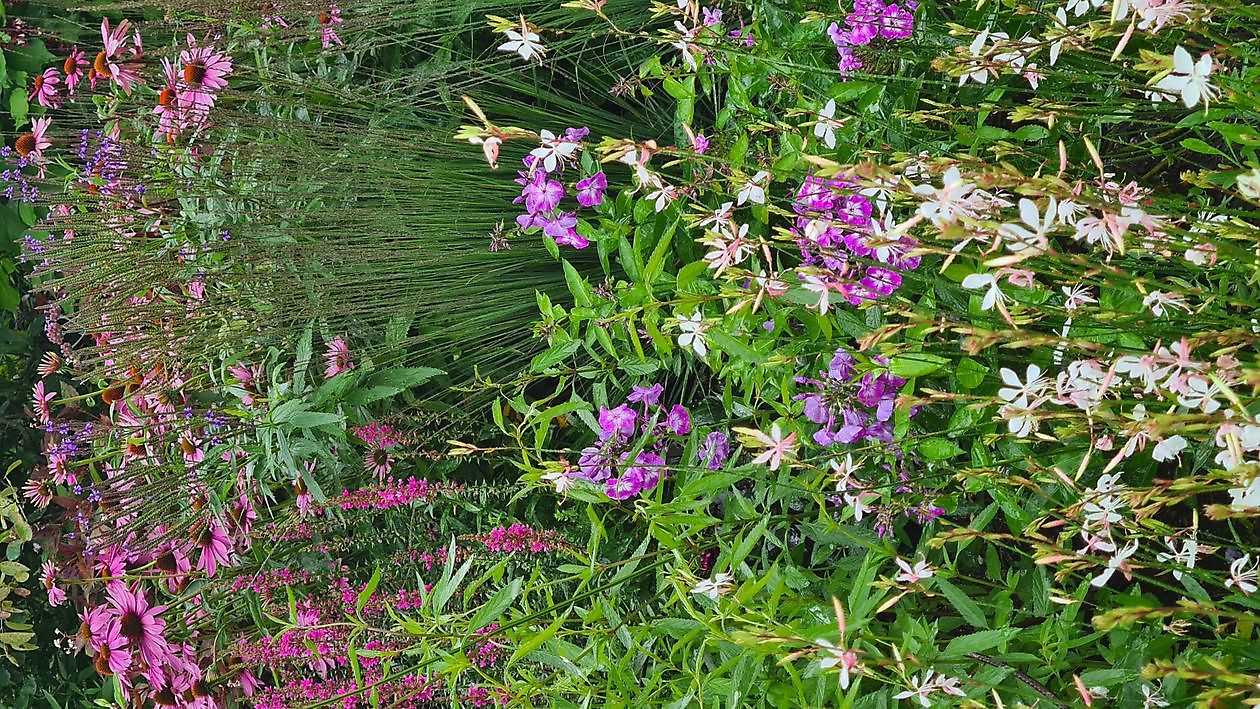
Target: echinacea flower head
115 61
337 358
138 622
73 69
44 88
378 461
327 18
33 144
203 73
41 397
215 546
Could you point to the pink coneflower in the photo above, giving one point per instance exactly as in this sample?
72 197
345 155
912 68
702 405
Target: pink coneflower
40 397
56 596
112 655
328 18
32 144
49 365
205 71
73 69
378 461
214 544
271 15
337 358
170 123
39 492
44 89
138 622
110 63
172 562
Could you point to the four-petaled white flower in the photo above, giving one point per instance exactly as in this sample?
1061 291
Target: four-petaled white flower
562 479
819 285
944 204
913 574
1117 561
554 151
691 333
923 688
1168 448
993 297
825 128
753 190
524 43
718 585
1245 579
1160 302
1183 557
1189 78
1031 234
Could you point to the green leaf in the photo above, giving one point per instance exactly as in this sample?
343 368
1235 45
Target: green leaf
734 347
367 591
915 364
967 608
536 640
497 603
313 419
556 354
970 373
1199 146
939 449
980 641
577 286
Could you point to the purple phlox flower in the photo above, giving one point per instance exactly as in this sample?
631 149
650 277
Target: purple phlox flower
542 194
591 189
712 15
594 464
715 449
618 422
700 144
563 228
576 135
648 396
678 420
624 487
841 366
896 23
648 469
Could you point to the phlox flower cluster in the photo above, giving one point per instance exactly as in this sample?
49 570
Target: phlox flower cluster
851 408
541 193
847 250
869 21
608 462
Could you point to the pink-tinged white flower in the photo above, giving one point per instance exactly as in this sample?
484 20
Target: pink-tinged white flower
73 69
215 547
836 656
691 333
818 284
562 479
729 249
116 61
1160 302
1246 579
662 195
685 44
921 689
1033 386
1151 698
1118 560
44 89
32 145
525 43
1189 78
754 189
1168 448
720 583
778 447
1184 557
40 397
1200 393
915 573
1080 7
854 491
993 295
944 205
138 622
327 18
1030 235
337 358
56 594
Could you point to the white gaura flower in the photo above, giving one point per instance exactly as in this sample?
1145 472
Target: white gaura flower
1076 295
1151 698
523 43
1080 7
1249 184
1246 497
685 46
1061 34
825 128
1117 561
1031 388
818 284
691 333
1031 234
1245 579
753 190
662 195
979 72
913 574
729 249
1168 448
1200 393
1189 78
836 656
944 205
720 583
993 297
1160 302
1184 557
778 447
554 151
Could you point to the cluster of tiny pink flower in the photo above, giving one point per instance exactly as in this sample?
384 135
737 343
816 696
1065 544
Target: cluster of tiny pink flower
395 493
518 537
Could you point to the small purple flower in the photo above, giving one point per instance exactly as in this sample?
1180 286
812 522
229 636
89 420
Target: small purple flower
617 422
648 396
563 228
624 487
575 135
896 23
647 471
591 189
700 144
712 16
541 194
715 449
594 465
678 420
841 365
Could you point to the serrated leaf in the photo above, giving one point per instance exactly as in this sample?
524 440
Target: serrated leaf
967 608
